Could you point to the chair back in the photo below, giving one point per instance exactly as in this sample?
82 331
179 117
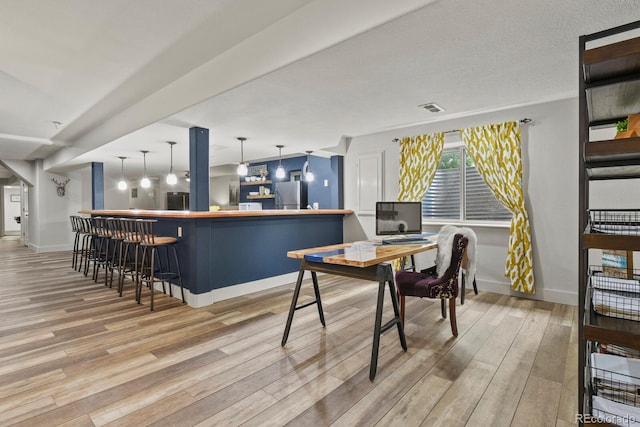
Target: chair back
115 229
145 231
449 279
74 224
130 230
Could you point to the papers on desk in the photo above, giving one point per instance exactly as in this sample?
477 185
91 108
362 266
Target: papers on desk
355 248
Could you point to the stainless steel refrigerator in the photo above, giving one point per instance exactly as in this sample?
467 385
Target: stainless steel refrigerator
178 201
291 195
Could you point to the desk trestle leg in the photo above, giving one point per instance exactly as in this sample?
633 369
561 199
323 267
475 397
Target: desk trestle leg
294 302
379 329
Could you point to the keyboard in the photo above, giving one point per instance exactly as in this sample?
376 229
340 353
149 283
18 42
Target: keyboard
406 240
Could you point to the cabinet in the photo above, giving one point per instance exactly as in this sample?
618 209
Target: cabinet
609 92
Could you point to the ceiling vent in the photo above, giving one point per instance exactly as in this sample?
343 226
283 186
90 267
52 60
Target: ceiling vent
432 107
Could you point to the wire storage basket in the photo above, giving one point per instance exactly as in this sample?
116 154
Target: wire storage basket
623 222
615 388
615 296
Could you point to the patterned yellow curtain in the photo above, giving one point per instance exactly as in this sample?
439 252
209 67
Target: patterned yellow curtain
419 157
495 149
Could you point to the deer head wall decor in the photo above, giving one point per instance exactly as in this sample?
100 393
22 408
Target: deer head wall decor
60 186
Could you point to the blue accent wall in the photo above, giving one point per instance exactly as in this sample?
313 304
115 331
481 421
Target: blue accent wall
329 197
97 185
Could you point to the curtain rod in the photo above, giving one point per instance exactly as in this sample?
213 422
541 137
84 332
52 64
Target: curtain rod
522 121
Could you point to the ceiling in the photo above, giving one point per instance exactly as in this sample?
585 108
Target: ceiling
123 76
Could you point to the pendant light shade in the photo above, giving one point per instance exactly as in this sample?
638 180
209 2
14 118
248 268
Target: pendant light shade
172 179
308 175
145 182
280 172
122 184
242 167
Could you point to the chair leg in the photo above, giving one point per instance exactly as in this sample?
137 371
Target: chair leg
452 316
402 309
475 287
462 288
443 308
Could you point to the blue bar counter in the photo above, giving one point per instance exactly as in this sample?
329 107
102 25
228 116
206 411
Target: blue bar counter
228 253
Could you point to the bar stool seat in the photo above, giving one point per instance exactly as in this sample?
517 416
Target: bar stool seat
148 274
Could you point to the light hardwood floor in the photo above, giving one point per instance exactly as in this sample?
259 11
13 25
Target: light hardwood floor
73 353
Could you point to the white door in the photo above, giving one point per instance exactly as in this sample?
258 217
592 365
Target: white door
24 217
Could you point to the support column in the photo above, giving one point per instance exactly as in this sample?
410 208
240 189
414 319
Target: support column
97 185
337 182
199 169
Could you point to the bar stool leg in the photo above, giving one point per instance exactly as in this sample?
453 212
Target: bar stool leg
175 255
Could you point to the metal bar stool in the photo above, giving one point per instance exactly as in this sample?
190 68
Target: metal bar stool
100 237
114 253
149 243
128 263
76 222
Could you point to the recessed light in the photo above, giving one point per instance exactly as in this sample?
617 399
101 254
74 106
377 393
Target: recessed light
432 107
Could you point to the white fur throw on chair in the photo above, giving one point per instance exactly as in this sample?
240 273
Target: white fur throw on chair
445 242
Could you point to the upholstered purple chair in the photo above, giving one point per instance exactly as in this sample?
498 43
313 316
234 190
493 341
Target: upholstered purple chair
427 284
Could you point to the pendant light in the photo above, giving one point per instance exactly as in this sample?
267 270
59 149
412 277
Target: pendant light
242 167
122 185
280 170
145 182
308 175
172 179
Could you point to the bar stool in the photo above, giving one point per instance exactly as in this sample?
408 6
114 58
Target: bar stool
84 223
76 228
99 249
128 263
113 253
149 243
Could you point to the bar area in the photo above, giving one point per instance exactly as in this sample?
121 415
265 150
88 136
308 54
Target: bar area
228 253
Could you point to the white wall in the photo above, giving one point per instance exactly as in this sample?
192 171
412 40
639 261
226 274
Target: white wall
550 174
11 210
219 189
49 224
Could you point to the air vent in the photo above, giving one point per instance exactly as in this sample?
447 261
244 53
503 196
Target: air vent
432 107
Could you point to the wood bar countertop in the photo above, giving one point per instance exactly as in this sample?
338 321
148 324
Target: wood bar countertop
217 214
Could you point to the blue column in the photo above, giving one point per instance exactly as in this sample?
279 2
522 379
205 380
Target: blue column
97 185
199 169
337 182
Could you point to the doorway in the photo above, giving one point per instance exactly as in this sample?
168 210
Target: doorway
11 210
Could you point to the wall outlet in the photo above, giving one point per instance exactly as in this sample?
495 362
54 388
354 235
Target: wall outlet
179 231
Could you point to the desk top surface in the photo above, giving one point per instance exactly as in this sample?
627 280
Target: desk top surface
362 254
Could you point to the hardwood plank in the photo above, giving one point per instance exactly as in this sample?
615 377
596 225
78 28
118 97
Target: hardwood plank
417 403
539 403
461 398
501 397
372 407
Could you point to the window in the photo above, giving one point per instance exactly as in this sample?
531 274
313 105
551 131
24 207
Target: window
459 193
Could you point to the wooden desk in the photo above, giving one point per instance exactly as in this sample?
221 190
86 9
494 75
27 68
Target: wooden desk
360 260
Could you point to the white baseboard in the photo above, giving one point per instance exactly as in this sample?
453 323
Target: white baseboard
53 248
221 294
549 295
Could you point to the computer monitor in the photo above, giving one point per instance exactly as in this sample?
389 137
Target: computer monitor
398 218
